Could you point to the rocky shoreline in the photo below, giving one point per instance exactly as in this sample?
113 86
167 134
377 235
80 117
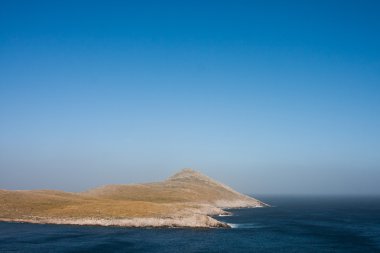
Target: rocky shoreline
195 221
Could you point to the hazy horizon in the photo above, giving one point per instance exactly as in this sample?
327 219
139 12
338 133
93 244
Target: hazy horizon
267 97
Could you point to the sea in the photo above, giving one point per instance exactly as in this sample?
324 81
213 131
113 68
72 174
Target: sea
293 224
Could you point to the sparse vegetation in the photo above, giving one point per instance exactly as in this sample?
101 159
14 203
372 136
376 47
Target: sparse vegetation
182 195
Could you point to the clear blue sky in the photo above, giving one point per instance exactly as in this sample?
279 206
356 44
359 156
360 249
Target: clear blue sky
267 96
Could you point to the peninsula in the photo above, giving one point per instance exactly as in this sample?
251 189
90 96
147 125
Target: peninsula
186 199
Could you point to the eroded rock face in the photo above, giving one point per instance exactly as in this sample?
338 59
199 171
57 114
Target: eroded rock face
240 203
194 221
214 192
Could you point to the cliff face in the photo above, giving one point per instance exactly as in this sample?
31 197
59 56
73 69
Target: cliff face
184 200
210 191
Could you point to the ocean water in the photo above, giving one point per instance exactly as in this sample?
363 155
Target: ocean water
294 224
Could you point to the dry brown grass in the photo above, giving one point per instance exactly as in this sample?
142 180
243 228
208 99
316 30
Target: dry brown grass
26 204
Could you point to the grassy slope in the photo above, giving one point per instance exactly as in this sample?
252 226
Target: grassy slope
53 204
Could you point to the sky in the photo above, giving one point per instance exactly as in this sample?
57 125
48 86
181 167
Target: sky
270 97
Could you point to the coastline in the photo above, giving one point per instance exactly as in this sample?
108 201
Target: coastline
196 220
187 199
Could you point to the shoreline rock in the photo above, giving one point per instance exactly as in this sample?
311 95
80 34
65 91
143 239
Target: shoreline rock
201 217
194 221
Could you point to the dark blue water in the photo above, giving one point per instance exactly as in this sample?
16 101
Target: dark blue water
296 224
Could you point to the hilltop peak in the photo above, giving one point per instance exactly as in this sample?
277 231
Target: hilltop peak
188 173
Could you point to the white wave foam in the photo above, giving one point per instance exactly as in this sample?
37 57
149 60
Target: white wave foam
244 225
223 215
232 225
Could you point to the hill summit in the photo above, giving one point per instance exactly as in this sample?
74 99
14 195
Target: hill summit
186 199
189 173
